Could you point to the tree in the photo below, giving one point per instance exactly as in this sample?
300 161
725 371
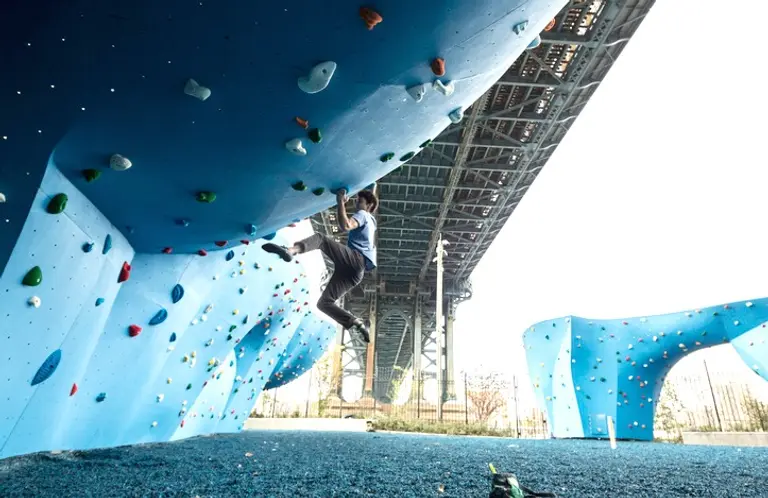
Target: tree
325 379
487 393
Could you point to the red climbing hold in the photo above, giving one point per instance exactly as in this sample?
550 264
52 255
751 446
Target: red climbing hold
370 17
202 252
287 291
292 225
182 424
245 241
134 330
438 67
295 280
73 390
168 250
125 273
221 243
625 323
302 122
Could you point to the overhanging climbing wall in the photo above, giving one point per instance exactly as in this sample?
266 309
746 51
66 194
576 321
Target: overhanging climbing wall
146 146
584 371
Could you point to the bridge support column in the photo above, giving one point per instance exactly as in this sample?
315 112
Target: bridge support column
371 352
450 387
416 386
338 358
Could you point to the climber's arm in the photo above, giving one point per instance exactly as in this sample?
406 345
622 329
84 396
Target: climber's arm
345 222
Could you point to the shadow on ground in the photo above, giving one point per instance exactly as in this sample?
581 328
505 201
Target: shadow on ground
306 464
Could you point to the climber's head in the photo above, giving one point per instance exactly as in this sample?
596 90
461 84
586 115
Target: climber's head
367 201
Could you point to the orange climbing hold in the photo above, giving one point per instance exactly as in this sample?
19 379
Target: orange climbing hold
550 25
125 273
302 122
370 17
438 67
134 330
73 390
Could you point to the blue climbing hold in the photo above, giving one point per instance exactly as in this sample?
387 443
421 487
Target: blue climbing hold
99 301
88 247
270 236
251 230
177 293
159 317
107 244
230 255
47 368
173 337
101 397
534 43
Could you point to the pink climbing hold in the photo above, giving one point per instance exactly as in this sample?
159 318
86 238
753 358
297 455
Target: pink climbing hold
625 323
287 291
182 424
73 390
202 252
125 273
134 330
245 241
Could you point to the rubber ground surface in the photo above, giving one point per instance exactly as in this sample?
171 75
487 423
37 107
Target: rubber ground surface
304 464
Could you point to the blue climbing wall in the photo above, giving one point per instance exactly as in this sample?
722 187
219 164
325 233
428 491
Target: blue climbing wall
184 178
584 371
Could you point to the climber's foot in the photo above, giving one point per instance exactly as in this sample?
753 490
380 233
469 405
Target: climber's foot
279 250
359 327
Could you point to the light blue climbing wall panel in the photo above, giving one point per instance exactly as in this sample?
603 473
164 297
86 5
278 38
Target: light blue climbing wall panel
592 369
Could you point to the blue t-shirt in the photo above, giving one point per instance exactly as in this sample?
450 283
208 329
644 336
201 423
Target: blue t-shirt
361 238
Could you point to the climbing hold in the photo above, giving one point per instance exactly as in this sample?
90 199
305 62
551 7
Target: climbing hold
550 25
205 196
534 43
302 122
426 143
134 330
318 78
73 390
230 255
182 222
2 198
91 175
315 135
418 91
438 66
299 186
177 293
250 230
194 89
245 242
208 308
456 115
47 368
167 250
387 157
107 244
99 301
101 397
318 191
220 243
125 273
159 317
520 27
446 89
160 398
209 343
749 304
119 163
370 17
270 236
407 157
202 252
33 277
243 290
57 204
295 147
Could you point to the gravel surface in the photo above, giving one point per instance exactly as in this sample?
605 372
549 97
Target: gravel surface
304 464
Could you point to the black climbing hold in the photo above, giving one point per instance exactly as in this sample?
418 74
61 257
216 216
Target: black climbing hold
189 386
88 247
159 317
173 337
107 244
230 255
299 186
318 191
91 175
408 156
47 368
101 397
177 293
57 204
426 144
33 277
315 135
229 337
387 157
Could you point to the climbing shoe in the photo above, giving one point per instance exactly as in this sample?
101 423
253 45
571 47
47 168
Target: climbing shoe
279 250
505 485
359 328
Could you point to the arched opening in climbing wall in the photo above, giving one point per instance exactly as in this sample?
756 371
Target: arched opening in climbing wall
711 390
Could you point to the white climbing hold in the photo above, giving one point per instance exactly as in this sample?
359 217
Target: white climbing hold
119 163
418 91
154 424
456 115
655 339
2 198
630 377
160 398
194 89
209 343
295 147
168 380
534 43
219 328
736 322
233 274
208 308
643 320
215 277
749 303
318 77
34 301
204 318
445 89
171 348
184 403
194 322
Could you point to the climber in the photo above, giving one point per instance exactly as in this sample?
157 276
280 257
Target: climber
350 262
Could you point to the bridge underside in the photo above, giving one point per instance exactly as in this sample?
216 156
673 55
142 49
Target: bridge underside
468 182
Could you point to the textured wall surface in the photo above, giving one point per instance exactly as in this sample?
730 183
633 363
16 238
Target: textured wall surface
586 370
93 359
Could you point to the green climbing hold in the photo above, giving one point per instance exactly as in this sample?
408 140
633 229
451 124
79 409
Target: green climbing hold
57 204
319 191
33 277
299 186
387 157
315 135
189 386
232 327
408 156
426 143
208 197
91 175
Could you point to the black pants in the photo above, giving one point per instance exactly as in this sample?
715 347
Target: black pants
348 272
